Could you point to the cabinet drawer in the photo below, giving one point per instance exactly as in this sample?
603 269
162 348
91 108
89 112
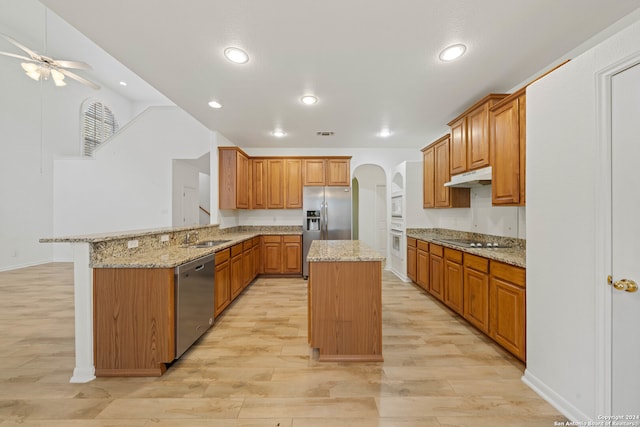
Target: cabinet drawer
436 250
510 273
222 256
271 239
477 263
236 250
423 246
247 244
411 242
291 239
453 255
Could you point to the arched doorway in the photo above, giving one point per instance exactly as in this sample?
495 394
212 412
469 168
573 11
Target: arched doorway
371 206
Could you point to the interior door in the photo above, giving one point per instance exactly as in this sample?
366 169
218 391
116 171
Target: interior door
625 151
190 203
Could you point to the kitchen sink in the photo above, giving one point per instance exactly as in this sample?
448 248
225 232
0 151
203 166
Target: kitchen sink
208 243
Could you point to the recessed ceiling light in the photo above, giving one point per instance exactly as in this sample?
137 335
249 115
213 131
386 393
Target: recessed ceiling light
452 52
384 133
308 99
278 133
215 104
236 55
123 83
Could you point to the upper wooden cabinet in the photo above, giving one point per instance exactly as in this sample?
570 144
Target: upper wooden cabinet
470 148
435 171
293 183
258 184
508 143
233 178
329 171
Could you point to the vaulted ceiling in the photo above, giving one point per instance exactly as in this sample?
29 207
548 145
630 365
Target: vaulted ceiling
372 64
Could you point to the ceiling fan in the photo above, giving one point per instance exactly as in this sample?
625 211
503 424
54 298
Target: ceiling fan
42 67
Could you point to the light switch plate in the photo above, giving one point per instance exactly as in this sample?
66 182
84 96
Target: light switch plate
132 244
164 238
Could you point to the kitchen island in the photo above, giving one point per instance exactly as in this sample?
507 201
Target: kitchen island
345 301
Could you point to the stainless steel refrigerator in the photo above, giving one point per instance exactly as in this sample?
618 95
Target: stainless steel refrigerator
327 216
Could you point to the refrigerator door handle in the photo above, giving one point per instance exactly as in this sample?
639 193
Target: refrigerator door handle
326 220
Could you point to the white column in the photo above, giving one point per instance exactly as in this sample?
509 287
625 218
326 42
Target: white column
83 302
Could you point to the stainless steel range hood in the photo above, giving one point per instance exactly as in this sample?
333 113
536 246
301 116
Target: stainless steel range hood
471 178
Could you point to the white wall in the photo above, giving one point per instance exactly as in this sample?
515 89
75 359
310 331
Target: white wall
129 183
369 177
39 122
563 154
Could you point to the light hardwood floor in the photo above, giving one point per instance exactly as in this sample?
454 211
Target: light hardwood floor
253 368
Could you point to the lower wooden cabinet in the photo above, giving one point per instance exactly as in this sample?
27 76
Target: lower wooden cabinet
453 280
422 265
507 307
476 291
247 263
282 254
436 271
412 263
222 281
134 321
491 295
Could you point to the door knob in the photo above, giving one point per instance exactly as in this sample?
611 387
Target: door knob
625 285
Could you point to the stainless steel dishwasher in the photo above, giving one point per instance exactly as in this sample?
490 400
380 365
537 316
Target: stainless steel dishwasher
194 293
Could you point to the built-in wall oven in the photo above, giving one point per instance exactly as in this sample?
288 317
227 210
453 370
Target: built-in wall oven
397 240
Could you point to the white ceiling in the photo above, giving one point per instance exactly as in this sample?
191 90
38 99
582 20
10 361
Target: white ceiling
371 63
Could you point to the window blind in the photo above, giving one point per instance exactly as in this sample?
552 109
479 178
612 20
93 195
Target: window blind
99 124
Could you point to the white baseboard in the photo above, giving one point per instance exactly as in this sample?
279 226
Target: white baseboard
554 399
24 265
400 275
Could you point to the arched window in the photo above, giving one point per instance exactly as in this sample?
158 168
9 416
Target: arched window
98 124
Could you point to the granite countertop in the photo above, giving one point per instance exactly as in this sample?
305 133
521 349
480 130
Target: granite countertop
514 255
170 256
341 250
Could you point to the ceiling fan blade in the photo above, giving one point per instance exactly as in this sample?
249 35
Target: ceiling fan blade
78 65
31 53
78 78
13 55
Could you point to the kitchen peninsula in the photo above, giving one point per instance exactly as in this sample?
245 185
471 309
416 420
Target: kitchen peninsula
345 301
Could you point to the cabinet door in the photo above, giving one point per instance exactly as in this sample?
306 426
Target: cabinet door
453 280
412 262
507 309
313 171
476 298
338 172
428 178
242 178
272 254
505 152
436 276
478 138
256 260
458 147
441 158
292 254
275 183
259 184
222 287
247 266
237 277
293 184
422 273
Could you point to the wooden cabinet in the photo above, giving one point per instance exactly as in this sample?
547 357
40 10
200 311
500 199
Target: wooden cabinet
275 183
247 263
293 183
507 309
237 276
422 265
222 281
259 184
453 294
436 271
328 171
412 262
233 178
134 321
508 150
282 254
470 148
436 174
476 291
257 260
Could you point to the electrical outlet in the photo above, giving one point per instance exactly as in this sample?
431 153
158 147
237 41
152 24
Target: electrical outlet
164 238
132 244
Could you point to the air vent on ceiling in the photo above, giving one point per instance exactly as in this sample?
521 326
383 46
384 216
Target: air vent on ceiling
324 133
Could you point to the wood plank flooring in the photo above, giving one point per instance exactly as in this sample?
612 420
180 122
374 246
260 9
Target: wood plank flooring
254 367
